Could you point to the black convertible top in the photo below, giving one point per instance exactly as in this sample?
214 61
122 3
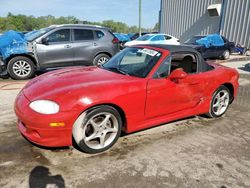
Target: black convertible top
203 66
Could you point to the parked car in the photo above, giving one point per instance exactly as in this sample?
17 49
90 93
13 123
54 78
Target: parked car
59 46
222 51
123 38
130 35
154 39
138 88
136 35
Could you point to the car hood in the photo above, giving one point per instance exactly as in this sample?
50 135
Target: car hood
11 43
61 82
195 46
192 45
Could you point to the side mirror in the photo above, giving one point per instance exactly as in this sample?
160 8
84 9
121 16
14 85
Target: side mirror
177 74
45 41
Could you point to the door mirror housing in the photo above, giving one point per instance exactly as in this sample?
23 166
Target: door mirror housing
45 41
177 74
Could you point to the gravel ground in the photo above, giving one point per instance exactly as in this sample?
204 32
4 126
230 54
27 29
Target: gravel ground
194 152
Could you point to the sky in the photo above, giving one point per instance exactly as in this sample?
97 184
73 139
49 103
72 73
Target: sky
91 10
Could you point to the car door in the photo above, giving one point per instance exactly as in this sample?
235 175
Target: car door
211 51
55 50
84 46
165 96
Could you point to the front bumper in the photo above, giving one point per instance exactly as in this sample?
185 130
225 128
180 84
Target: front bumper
3 68
35 127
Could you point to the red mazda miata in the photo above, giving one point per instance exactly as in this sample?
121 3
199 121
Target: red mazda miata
140 87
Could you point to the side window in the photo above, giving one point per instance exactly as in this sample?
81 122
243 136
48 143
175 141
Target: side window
83 34
164 69
186 61
157 37
167 37
62 35
99 34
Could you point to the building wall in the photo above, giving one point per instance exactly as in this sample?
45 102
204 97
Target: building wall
236 21
185 18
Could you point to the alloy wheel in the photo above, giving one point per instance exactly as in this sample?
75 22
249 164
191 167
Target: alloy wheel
21 68
102 60
226 54
100 130
221 102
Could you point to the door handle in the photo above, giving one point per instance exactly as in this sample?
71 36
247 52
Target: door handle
95 44
67 46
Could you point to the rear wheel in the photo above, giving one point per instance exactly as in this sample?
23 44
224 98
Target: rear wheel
101 59
97 130
21 68
220 102
226 54
247 53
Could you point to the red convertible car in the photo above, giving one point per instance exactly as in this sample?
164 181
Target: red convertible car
140 87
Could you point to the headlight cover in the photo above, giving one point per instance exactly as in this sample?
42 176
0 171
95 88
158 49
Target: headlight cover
44 106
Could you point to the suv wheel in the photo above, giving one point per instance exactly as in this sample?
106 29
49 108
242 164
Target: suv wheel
21 68
101 59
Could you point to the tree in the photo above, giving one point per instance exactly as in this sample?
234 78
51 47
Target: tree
27 23
156 27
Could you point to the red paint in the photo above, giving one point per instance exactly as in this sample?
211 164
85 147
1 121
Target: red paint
146 102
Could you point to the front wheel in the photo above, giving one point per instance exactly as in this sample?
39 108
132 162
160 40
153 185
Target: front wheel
21 68
97 130
220 102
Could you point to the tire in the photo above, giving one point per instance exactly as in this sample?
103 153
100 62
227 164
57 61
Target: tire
21 68
226 54
98 129
100 59
220 102
5 77
247 53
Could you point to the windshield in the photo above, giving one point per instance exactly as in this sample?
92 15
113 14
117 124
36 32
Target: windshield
133 61
144 38
193 40
32 35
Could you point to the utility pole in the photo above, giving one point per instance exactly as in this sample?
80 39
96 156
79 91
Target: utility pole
139 17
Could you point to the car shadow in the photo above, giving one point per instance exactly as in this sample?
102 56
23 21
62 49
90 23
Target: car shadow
40 177
245 68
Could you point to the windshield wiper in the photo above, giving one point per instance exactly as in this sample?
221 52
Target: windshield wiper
117 70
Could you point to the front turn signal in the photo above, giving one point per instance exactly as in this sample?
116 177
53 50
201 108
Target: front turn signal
61 124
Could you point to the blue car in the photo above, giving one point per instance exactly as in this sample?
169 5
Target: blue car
123 38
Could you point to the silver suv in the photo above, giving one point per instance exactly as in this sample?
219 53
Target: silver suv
62 45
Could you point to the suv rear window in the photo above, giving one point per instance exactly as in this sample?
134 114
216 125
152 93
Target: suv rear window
83 34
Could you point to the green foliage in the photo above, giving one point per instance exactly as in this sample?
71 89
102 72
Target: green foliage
28 23
156 27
